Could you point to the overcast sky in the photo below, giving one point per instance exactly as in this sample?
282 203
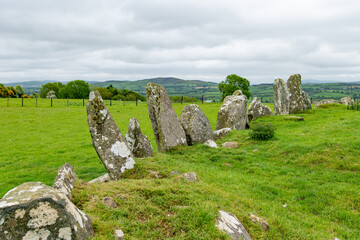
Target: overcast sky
206 40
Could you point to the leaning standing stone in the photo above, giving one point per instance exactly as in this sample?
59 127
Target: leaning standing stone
166 126
232 226
281 97
307 100
258 109
196 125
296 102
65 179
139 144
36 211
108 141
232 113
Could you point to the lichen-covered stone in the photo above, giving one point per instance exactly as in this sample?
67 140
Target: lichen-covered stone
211 143
65 179
221 133
296 101
347 101
260 222
232 226
165 123
307 100
190 176
230 145
326 101
232 113
101 179
281 97
258 109
107 139
35 211
196 125
138 143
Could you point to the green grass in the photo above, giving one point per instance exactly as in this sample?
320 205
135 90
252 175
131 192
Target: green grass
312 166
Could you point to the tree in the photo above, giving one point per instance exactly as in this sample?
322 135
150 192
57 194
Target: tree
105 93
55 86
51 94
35 95
19 90
76 89
234 82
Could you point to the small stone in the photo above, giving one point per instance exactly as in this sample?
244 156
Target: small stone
154 174
65 179
255 150
176 172
232 226
211 143
230 145
284 206
101 179
221 133
228 164
119 235
259 221
109 202
190 176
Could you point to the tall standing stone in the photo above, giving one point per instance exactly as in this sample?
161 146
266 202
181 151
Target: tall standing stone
196 125
165 123
35 211
107 139
258 109
139 144
307 100
281 97
232 113
296 101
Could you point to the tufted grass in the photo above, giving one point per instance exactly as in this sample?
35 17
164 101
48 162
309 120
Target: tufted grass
311 166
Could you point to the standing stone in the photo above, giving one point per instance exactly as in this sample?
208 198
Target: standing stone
258 109
281 97
138 143
196 125
108 141
296 102
347 101
36 211
307 100
65 179
166 126
232 113
232 226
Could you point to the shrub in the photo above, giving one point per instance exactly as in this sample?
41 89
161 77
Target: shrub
262 131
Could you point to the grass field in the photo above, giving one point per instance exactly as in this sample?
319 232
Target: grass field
311 167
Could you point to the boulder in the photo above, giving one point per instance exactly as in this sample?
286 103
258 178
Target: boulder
325 101
232 226
347 101
65 179
221 133
258 109
36 211
230 145
196 125
281 97
296 101
232 113
101 179
307 100
165 123
211 143
260 222
107 139
138 143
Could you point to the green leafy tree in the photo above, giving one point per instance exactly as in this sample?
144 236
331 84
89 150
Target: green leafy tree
104 92
76 89
234 82
19 90
56 86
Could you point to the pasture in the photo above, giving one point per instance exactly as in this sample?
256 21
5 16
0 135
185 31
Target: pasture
305 182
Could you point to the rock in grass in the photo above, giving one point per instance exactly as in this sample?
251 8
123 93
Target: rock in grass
259 221
138 143
190 176
211 143
232 226
281 97
325 101
230 145
107 139
196 125
36 211
232 113
65 179
258 109
347 101
109 202
119 235
166 126
221 133
101 179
